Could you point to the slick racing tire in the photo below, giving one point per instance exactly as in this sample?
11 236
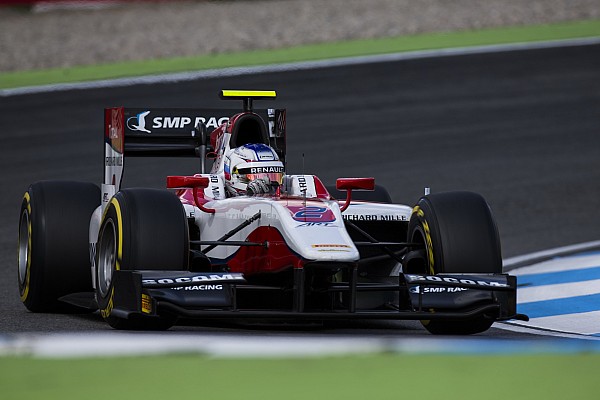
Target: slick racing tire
54 258
379 195
142 229
460 235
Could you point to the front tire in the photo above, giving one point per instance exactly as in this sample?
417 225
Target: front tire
459 235
53 258
142 229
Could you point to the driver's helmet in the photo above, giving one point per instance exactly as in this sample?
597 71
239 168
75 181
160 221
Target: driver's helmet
250 162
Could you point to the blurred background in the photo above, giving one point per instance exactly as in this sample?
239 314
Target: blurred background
50 34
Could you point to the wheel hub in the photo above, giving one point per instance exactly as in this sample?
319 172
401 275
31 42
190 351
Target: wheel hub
24 243
106 257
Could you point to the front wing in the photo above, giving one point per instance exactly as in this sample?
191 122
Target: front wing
215 296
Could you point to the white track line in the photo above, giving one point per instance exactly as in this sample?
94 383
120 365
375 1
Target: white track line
130 344
307 65
557 291
568 259
536 257
587 323
70 345
558 264
520 327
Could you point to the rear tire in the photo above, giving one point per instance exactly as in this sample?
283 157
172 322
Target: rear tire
460 236
54 258
142 229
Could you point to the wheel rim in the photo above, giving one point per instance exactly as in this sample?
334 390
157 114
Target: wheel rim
106 257
24 242
422 267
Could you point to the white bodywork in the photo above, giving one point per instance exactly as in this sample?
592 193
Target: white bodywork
313 228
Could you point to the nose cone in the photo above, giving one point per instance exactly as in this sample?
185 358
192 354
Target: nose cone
315 230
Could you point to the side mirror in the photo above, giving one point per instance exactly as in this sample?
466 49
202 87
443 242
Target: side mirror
355 184
350 184
179 182
191 182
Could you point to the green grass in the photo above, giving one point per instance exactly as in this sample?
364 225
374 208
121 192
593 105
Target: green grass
568 30
378 377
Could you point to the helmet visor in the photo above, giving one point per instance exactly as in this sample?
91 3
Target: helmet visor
271 171
269 177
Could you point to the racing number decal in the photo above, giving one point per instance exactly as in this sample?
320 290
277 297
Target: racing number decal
428 241
311 214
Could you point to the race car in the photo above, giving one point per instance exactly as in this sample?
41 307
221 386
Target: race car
245 240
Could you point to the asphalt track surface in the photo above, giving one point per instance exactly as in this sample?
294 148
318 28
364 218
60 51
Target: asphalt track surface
520 127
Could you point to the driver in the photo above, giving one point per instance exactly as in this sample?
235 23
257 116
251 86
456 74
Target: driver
252 169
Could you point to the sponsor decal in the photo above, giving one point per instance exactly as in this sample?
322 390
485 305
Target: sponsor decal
176 122
311 214
142 123
449 279
200 287
302 184
115 129
427 289
190 279
374 217
262 170
234 214
105 198
214 180
330 245
138 122
146 304
311 224
114 161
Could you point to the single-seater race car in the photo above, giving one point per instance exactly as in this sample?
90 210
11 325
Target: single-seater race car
247 241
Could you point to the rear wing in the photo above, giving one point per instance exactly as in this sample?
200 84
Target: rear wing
166 132
172 132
